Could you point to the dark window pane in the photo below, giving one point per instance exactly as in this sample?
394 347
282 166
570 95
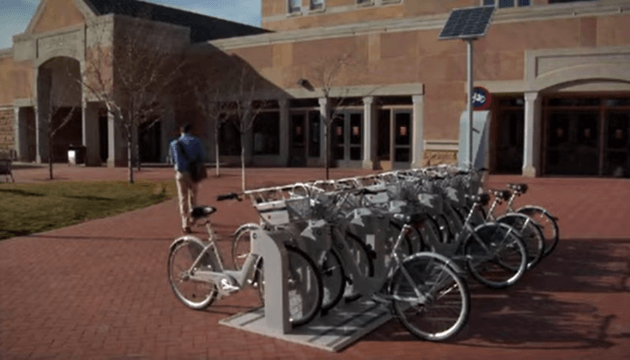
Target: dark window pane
523 2
403 128
383 135
617 102
314 134
402 155
356 121
506 3
355 153
229 139
267 133
488 2
574 102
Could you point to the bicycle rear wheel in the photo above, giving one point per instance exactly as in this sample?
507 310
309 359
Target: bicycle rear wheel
430 299
532 237
495 254
304 286
547 224
194 294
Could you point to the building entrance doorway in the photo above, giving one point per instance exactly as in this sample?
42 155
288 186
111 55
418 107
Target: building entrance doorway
587 136
346 137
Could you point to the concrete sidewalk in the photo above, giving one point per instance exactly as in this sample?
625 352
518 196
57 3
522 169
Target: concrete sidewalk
98 290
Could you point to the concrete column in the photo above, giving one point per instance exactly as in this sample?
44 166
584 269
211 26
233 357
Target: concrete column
117 145
417 140
91 138
369 130
284 131
323 112
531 146
20 127
44 81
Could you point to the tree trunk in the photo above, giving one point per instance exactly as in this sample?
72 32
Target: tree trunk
50 157
130 158
216 149
243 161
327 149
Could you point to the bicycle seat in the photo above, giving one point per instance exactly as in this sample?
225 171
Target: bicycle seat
501 194
521 188
407 218
481 199
202 211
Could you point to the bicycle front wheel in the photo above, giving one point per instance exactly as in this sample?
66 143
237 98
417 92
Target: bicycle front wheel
547 225
304 286
195 294
333 279
429 298
495 254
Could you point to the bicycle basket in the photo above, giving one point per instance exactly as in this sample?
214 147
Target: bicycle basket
299 208
273 212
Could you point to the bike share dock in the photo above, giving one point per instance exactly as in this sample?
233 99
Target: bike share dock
340 327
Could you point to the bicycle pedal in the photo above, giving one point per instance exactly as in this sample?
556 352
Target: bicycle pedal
227 287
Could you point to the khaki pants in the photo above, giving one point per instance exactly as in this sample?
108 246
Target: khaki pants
187 192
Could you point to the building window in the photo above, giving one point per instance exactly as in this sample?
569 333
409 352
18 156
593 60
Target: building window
267 133
294 6
507 3
365 2
317 4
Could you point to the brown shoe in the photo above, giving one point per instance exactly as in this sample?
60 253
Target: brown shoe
187 230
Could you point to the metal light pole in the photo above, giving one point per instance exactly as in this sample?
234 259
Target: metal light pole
469 102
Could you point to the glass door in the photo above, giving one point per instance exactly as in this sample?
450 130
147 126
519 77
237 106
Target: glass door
617 144
573 142
297 156
347 138
509 141
402 139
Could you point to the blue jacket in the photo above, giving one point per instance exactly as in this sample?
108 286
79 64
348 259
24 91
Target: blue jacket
193 149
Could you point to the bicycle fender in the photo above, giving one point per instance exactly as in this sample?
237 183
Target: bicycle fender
540 208
248 226
458 270
185 238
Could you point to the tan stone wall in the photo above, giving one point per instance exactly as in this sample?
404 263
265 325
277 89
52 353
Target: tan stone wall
6 130
432 157
58 14
15 80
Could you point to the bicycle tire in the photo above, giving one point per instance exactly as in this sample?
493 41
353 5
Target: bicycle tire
503 242
444 289
314 289
182 254
241 244
363 260
547 224
333 279
531 235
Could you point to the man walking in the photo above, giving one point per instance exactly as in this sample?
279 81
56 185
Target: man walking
185 150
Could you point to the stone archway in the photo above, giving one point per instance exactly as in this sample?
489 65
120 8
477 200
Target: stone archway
59 108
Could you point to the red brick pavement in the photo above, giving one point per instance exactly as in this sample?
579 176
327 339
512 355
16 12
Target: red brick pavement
98 290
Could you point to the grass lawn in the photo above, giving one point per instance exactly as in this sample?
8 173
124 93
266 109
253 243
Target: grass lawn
31 208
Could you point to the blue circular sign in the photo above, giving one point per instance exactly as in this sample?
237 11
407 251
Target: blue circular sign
480 98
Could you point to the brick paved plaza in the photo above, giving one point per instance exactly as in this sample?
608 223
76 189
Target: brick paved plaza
98 290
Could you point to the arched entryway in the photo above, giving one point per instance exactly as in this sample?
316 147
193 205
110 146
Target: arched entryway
59 108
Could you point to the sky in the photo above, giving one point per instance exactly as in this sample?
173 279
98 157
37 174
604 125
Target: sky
16 14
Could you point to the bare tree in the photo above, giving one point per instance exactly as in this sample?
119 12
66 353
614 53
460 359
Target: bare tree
133 76
326 75
242 108
209 100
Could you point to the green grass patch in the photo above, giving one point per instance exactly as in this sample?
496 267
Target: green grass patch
31 208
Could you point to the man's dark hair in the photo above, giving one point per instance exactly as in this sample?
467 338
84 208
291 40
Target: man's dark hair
186 128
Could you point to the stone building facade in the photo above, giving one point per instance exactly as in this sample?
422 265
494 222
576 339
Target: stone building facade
557 70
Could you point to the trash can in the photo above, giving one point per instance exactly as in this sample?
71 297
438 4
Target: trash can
76 154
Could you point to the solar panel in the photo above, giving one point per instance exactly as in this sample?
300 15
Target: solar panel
467 23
